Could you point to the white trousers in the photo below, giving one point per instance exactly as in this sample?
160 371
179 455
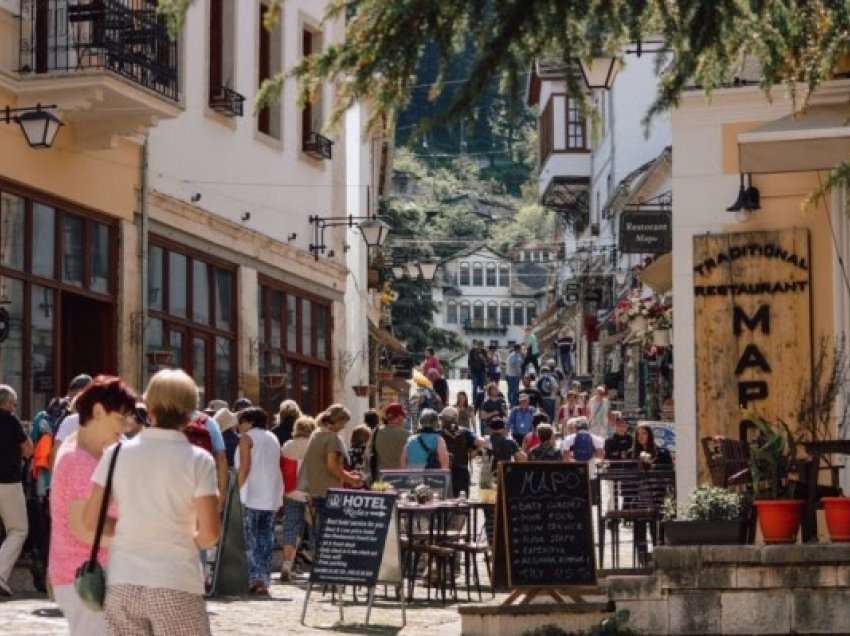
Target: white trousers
13 513
81 620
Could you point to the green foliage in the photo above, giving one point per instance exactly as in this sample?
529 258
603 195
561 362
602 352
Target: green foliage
706 503
533 222
772 455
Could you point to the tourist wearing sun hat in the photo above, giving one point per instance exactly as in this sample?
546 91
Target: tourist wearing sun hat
227 421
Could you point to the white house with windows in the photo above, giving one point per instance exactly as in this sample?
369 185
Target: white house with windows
484 295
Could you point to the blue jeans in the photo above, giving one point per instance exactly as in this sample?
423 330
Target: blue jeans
513 390
259 538
318 518
567 362
479 379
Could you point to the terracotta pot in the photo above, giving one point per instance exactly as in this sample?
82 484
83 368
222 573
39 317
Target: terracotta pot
837 511
779 519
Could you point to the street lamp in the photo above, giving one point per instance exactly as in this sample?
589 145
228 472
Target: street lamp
428 269
39 126
374 232
398 272
599 72
412 270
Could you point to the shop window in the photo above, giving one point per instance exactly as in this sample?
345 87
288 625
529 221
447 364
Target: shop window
478 312
492 313
72 250
177 284
505 317
519 315
504 275
43 240
224 299
464 313
477 275
269 59
42 347
297 369
199 367
224 375
155 273
12 350
99 257
491 274
464 274
154 341
12 219
451 313
200 292
530 313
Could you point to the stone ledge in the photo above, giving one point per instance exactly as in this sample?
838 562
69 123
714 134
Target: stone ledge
687 557
491 609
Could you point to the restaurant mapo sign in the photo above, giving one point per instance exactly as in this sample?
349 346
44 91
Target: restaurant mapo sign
645 232
752 327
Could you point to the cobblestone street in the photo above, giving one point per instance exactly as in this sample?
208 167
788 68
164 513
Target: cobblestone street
37 616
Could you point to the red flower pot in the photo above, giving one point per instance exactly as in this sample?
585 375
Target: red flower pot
779 519
837 511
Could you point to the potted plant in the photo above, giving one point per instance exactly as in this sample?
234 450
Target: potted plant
710 516
772 455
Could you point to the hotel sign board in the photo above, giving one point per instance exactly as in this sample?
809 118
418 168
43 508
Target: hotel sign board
752 326
645 232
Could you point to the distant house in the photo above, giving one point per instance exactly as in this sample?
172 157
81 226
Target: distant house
484 295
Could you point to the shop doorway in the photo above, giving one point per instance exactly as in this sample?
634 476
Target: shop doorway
87 337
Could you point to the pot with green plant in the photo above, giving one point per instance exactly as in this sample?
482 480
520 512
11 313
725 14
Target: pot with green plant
772 456
710 516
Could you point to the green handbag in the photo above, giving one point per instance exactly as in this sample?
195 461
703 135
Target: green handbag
90 579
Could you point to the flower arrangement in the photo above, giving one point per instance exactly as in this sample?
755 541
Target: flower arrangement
706 503
661 317
629 309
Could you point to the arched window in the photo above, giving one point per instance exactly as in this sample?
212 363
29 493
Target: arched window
464 274
519 315
477 275
505 317
478 311
504 275
464 312
491 274
451 313
492 313
530 313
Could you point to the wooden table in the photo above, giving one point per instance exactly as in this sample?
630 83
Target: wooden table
815 451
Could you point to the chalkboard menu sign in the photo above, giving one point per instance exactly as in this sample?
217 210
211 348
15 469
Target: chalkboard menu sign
547 522
352 537
407 479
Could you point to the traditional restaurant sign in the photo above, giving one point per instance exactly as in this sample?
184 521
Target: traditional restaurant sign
753 331
645 232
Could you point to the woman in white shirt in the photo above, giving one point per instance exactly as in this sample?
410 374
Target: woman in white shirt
295 501
167 498
261 493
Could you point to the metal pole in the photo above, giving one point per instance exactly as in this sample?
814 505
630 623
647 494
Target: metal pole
369 603
306 601
143 260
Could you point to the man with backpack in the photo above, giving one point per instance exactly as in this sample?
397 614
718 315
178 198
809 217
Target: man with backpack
583 446
427 449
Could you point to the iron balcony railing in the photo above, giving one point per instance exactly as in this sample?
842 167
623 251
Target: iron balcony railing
317 146
227 102
484 326
126 37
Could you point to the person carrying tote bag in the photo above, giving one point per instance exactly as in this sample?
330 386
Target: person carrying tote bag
167 498
79 591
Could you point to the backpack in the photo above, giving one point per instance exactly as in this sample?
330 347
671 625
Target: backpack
583 447
432 461
198 434
547 384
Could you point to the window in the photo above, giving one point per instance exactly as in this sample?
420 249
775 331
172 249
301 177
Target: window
55 279
477 275
504 275
576 137
269 59
519 315
295 366
492 313
478 311
311 114
190 302
451 313
491 274
464 312
464 274
505 317
222 46
530 313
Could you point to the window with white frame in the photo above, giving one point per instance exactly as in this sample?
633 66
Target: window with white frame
464 312
491 274
451 312
530 313
505 317
477 275
270 60
492 313
519 314
464 275
478 311
504 275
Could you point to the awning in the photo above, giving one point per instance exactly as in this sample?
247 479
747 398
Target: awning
817 139
658 274
386 338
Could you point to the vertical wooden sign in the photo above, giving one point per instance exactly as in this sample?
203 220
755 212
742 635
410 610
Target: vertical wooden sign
752 325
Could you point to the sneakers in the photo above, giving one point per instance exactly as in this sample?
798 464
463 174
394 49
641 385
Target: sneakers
5 590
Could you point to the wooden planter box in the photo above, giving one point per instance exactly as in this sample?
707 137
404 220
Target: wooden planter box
705 532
